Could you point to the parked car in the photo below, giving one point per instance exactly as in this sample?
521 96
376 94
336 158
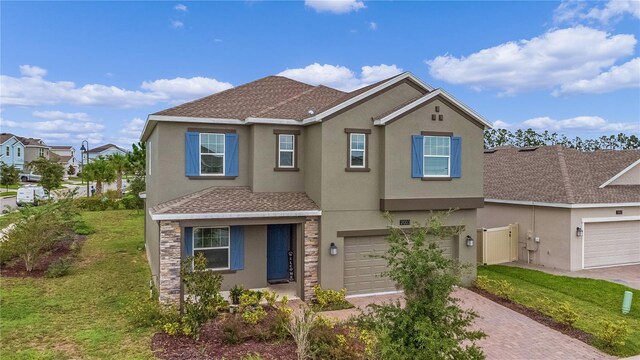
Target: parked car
30 177
30 195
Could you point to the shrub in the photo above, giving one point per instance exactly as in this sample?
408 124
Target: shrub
149 313
613 334
235 293
565 314
253 316
271 297
335 341
59 268
299 329
96 203
132 202
330 299
501 288
172 328
81 227
250 299
232 329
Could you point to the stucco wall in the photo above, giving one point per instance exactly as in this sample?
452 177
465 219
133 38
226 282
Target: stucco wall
313 163
33 153
264 145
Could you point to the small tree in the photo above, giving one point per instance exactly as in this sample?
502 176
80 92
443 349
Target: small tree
431 325
119 164
71 170
51 172
99 170
9 175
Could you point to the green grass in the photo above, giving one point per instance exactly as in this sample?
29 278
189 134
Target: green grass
8 193
14 186
594 300
81 315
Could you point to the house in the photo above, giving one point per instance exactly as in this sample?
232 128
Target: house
66 156
284 185
34 149
104 151
575 210
11 150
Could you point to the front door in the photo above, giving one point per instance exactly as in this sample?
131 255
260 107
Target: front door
278 246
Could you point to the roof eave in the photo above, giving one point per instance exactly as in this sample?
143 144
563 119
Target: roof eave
234 215
561 205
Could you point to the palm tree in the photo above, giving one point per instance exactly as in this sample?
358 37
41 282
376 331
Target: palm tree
99 170
119 163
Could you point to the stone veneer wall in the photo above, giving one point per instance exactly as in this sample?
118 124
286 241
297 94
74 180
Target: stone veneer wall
169 279
311 252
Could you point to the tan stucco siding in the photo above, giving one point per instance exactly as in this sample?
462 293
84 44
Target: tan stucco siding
631 177
397 155
32 153
264 160
313 163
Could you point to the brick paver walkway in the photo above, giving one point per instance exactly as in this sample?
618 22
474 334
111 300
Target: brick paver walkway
510 335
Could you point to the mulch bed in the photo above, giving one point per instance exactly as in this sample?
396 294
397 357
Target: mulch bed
211 345
62 249
537 316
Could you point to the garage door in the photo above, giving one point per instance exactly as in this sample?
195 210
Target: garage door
361 271
611 243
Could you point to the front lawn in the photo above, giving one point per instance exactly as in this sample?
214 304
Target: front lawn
8 194
593 300
81 315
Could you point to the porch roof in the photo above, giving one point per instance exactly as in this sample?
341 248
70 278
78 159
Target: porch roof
235 202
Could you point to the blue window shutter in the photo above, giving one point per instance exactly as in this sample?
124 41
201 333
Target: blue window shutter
187 248
417 155
237 248
456 157
231 154
192 154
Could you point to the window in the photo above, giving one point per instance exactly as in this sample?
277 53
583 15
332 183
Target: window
18 152
7 151
437 156
211 154
357 150
213 243
286 146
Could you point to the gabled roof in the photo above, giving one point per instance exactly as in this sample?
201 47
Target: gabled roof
6 136
235 202
32 142
101 148
557 175
621 173
61 147
275 100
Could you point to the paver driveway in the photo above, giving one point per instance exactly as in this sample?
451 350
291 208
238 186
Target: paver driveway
511 335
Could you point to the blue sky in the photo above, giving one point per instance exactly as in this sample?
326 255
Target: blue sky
94 70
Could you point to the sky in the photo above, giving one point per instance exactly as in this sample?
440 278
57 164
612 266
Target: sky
73 71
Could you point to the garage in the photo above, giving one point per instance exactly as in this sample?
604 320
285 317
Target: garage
361 271
611 243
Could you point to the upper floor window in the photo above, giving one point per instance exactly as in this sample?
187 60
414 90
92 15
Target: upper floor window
18 152
7 151
213 243
286 153
41 152
212 148
357 150
437 156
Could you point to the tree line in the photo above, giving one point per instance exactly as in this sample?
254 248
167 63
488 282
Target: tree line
529 137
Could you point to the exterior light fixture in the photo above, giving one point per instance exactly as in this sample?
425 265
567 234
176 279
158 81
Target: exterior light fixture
333 249
470 241
579 231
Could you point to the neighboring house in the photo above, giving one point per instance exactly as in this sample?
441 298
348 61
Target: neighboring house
34 149
65 156
583 207
284 185
11 150
104 151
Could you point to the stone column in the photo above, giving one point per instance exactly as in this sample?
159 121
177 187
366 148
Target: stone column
311 244
170 256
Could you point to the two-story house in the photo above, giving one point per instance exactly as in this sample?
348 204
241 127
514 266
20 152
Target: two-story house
65 155
284 185
11 150
34 149
104 151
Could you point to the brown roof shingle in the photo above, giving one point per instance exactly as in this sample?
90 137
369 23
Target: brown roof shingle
235 199
555 174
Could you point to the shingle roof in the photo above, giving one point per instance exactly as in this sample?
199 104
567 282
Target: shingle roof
5 136
554 174
101 148
235 199
270 97
61 147
31 141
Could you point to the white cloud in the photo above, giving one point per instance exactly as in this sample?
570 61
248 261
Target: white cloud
55 126
37 91
341 77
499 124
32 71
624 76
555 58
335 6
177 24
181 7
56 115
183 88
373 26
131 132
579 123
576 11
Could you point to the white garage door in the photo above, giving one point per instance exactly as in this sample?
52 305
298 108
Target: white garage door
361 270
611 243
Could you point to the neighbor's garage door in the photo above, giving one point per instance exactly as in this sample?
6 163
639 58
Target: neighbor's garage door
611 243
361 270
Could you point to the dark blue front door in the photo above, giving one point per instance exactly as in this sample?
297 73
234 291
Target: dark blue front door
278 240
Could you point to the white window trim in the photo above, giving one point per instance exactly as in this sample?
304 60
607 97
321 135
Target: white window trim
148 155
292 151
424 170
364 151
224 154
193 245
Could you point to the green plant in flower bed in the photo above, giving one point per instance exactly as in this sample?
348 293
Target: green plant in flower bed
58 268
267 323
613 334
326 300
339 341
